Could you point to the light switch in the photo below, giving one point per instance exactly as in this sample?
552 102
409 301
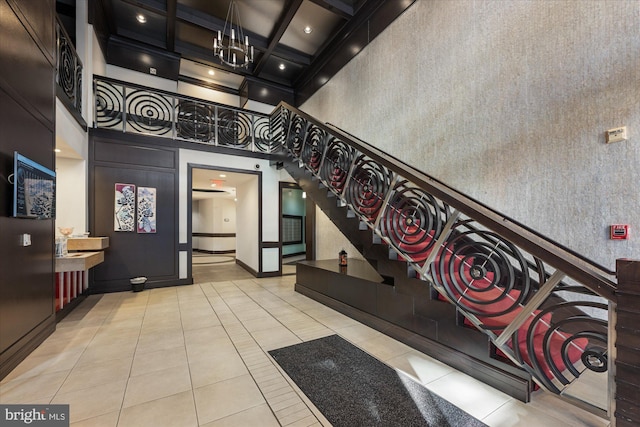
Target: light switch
25 239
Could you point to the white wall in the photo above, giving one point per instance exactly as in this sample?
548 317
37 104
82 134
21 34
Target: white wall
214 215
143 79
71 194
208 94
508 101
247 234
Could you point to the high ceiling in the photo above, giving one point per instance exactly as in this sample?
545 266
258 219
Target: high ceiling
177 37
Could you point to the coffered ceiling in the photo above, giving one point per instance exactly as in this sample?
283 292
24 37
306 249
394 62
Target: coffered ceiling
176 40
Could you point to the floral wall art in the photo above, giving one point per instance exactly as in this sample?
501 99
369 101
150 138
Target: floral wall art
124 208
146 210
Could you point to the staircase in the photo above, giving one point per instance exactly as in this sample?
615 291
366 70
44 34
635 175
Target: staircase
485 291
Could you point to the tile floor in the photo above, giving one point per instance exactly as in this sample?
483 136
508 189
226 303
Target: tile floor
197 356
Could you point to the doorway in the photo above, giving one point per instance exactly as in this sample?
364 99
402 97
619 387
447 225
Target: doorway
293 227
218 241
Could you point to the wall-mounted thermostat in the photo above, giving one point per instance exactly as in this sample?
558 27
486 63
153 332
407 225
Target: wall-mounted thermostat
619 232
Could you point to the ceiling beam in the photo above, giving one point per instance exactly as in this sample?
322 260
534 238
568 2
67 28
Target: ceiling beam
289 12
338 7
171 24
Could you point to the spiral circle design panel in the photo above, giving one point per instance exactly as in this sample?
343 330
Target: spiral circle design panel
295 137
67 69
234 129
149 112
368 187
313 148
108 105
335 166
563 341
195 121
483 274
262 134
412 221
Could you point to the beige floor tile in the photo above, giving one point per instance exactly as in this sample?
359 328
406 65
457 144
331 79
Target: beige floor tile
421 367
160 341
358 333
29 390
257 416
107 420
87 376
94 401
177 410
271 339
225 398
44 364
220 367
383 347
102 353
204 335
219 346
191 322
468 394
260 324
144 363
156 385
571 415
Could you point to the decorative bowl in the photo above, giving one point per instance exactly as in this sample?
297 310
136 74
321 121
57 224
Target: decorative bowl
66 231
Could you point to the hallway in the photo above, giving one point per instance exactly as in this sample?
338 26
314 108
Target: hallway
197 356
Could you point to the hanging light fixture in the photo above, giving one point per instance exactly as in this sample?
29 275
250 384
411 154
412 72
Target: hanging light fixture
233 48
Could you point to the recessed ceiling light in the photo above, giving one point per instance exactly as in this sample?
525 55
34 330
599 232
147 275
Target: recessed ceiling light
223 175
211 73
308 29
57 150
282 67
141 18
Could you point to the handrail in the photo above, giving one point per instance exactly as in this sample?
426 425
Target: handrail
590 274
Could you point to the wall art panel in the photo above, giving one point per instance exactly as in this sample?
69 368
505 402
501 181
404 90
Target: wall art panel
124 208
146 210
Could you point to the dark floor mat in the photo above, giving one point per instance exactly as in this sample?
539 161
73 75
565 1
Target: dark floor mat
352 388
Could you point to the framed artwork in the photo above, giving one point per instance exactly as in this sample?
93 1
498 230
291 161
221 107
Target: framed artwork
146 210
124 208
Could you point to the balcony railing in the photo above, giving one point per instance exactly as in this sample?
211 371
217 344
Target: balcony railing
544 307
137 109
68 72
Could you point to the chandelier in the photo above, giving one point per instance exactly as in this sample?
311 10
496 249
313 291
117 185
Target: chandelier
233 49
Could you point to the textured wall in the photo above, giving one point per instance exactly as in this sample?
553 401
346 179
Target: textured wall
508 102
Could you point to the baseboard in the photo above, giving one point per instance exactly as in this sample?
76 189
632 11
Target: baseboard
204 251
246 267
124 285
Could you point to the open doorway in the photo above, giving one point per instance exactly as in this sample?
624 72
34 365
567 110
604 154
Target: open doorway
293 230
220 235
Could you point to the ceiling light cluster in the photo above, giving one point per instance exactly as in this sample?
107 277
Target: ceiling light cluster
141 18
233 49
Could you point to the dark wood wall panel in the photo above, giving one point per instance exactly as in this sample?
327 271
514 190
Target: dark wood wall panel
26 69
27 277
132 254
27 125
